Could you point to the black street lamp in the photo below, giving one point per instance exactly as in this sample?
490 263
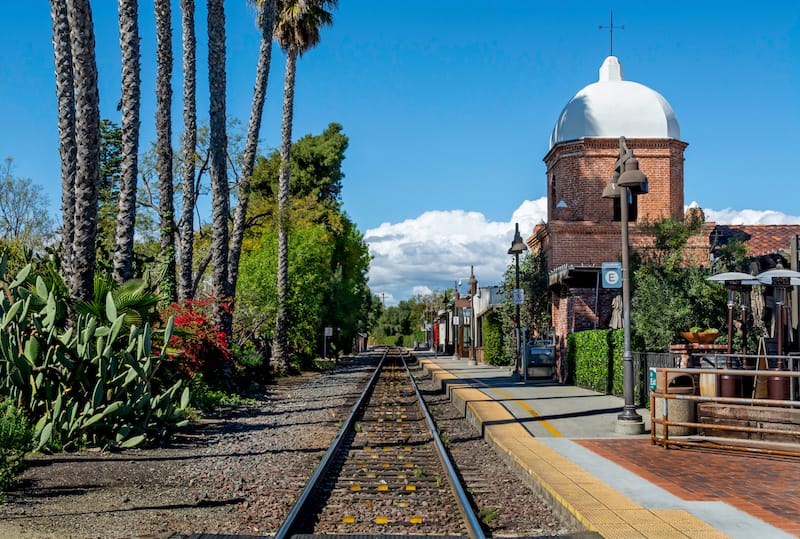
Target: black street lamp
472 316
517 247
627 181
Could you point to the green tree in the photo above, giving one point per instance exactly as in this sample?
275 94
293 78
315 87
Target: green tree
257 299
535 312
316 167
667 301
108 191
348 298
297 30
347 303
669 295
24 218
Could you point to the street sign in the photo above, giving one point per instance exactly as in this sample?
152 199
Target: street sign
612 274
455 321
519 296
329 332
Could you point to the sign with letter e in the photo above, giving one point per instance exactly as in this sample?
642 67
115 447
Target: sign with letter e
612 274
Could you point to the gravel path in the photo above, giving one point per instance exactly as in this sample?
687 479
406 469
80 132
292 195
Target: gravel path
237 472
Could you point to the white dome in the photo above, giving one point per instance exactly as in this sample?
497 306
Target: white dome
613 107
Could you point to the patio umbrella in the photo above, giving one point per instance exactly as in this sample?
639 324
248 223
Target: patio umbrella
757 307
616 313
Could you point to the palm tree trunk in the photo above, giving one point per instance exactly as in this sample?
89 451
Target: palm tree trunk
267 23
166 202
280 349
87 135
65 96
185 288
218 144
130 100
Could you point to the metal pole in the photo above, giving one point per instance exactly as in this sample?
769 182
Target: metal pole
473 332
456 327
520 367
629 410
731 305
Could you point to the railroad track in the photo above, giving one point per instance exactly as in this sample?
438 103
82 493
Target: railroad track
386 472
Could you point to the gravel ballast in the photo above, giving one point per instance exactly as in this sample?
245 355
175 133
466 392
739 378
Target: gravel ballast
237 471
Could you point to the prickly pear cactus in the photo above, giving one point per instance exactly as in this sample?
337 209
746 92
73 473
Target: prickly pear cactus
89 383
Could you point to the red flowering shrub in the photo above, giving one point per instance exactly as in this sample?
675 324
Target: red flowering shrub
197 345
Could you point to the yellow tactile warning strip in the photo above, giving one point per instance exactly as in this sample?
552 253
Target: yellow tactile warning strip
596 505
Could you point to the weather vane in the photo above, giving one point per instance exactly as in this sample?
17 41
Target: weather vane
611 33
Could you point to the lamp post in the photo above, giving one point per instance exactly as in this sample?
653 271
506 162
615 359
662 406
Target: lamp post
517 247
473 289
627 181
456 323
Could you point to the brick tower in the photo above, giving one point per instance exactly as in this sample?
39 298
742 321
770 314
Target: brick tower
583 229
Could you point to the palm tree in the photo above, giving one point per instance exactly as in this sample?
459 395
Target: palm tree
185 289
87 160
129 103
166 204
297 30
65 95
266 20
218 144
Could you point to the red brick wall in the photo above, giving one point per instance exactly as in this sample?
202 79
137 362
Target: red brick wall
578 171
584 232
573 309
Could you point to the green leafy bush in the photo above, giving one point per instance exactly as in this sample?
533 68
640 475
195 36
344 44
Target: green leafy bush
493 349
208 398
16 439
595 359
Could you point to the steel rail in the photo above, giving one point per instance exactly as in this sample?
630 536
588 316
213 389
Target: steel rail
291 520
473 524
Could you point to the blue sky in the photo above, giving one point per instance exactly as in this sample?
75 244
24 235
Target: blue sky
449 105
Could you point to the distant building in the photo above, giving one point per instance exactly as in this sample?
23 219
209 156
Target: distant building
583 229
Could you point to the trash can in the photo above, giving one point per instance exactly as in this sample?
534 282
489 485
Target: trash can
679 409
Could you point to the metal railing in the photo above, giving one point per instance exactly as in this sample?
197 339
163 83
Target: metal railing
756 430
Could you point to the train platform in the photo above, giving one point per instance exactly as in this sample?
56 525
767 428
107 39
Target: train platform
562 438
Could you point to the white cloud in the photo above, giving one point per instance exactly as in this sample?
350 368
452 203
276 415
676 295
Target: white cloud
730 216
436 248
431 251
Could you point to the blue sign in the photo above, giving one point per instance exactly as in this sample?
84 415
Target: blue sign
612 274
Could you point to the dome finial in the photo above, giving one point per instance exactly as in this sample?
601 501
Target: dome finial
611 70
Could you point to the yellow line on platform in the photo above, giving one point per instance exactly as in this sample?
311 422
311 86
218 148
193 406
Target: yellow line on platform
550 428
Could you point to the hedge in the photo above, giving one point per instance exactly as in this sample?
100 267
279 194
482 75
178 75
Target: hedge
493 350
594 360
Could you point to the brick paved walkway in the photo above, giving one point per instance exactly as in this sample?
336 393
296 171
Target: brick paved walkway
767 487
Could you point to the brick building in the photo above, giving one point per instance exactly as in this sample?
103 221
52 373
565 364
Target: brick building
583 228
